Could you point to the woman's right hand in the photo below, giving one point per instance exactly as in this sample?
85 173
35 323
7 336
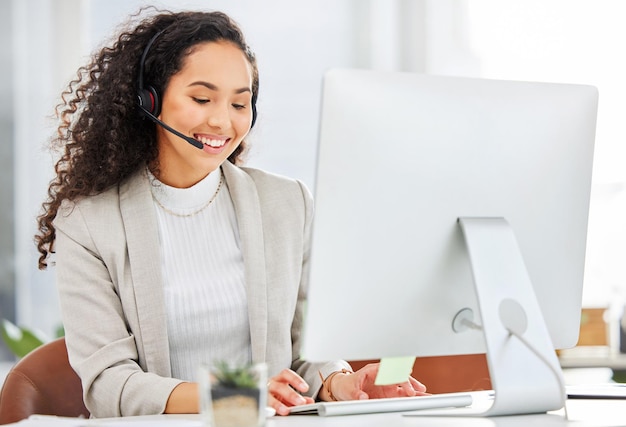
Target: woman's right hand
282 391
362 385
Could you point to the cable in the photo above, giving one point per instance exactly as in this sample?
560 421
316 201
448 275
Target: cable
558 377
472 325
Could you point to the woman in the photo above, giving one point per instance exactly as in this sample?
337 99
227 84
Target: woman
168 252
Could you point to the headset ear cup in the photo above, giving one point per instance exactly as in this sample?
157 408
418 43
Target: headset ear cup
253 115
156 101
149 101
144 101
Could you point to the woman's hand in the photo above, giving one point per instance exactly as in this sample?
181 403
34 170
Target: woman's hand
282 391
360 385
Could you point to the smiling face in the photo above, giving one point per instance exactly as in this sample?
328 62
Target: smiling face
210 100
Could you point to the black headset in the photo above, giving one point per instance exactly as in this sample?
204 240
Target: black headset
149 100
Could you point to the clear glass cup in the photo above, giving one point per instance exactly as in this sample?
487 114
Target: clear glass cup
233 395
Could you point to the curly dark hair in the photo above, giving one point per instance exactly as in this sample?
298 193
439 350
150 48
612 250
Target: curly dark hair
102 135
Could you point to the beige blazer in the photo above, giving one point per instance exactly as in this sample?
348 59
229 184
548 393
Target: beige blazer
110 286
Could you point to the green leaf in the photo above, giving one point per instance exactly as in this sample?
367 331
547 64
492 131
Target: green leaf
59 332
20 341
235 376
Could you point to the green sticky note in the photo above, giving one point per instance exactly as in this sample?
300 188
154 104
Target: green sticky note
394 370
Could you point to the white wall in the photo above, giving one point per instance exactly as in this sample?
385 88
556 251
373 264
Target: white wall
566 41
34 71
295 43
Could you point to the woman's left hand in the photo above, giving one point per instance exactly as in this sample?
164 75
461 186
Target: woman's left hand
360 385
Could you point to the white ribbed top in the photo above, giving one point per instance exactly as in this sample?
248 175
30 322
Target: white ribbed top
203 272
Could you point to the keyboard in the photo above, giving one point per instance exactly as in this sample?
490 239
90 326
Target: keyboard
596 391
395 404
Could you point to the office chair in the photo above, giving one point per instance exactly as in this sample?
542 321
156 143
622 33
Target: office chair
42 382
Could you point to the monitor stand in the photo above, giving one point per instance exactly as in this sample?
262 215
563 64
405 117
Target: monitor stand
525 372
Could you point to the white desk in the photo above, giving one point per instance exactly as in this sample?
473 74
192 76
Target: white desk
582 413
592 357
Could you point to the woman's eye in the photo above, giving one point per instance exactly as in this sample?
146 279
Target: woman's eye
239 106
201 100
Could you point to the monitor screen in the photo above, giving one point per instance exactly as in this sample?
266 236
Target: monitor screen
402 157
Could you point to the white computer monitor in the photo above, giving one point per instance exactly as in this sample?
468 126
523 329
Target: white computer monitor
402 157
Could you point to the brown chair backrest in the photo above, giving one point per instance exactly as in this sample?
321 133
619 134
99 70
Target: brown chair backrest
42 382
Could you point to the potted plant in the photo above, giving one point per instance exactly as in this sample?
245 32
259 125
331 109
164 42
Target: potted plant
19 340
238 395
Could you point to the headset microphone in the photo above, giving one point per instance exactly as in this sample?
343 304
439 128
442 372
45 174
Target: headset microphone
156 120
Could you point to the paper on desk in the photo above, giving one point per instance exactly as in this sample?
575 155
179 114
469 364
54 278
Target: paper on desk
150 423
139 421
394 370
53 420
